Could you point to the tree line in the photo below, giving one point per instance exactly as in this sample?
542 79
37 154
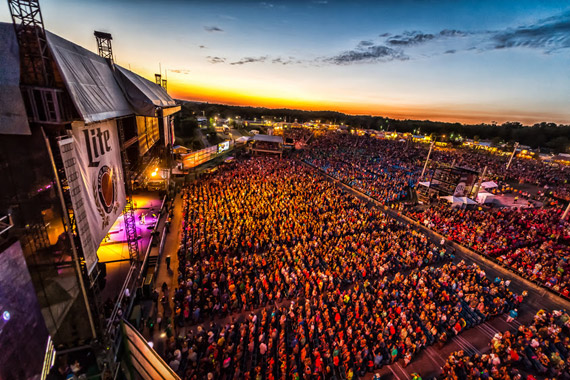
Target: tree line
549 137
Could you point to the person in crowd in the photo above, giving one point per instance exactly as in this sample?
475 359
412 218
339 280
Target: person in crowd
540 349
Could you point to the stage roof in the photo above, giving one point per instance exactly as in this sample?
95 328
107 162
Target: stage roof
89 80
267 138
13 118
144 96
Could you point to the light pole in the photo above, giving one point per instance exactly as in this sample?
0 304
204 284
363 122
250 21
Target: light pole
512 155
427 159
565 213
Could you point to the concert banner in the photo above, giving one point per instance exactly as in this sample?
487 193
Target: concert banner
93 167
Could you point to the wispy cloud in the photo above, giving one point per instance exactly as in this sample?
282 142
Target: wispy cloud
266 5
369 54
228 17
213 29
202 46
245 60
285 61
180 71
364 44
215 59
410 38
548 35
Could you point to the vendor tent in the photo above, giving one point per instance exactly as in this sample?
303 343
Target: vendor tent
489 185
459 200
485 197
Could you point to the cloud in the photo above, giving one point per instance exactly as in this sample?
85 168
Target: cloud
321 2
547 35
550 34
369 54
245 60
410 38
285 61
266 5
202 46
364 44
452 33
213 29
180 71
216 59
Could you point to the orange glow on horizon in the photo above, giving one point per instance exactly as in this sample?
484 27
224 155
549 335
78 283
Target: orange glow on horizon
453 114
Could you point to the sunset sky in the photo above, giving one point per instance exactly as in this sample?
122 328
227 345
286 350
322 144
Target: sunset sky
467 61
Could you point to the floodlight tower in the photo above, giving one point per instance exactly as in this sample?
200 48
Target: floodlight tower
104 45
29 26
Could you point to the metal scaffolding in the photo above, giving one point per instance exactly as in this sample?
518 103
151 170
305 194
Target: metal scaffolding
29 26
104 45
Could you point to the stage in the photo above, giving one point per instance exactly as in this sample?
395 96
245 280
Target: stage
114 251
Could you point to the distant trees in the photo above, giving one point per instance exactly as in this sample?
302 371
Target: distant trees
545 135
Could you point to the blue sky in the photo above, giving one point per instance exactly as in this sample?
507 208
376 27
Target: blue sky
443 60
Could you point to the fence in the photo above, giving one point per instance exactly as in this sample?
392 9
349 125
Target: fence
193 159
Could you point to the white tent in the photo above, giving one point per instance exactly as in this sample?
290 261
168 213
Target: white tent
459 200
489 185
242 139
467 201
485 197
426 184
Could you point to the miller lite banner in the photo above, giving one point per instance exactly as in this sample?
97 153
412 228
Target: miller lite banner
92 162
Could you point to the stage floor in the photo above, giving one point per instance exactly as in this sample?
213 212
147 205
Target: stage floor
114 250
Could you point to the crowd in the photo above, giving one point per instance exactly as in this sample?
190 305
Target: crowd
378 168
532 242
345 334
540 349
311 282
270 230
342 288
345 156
294 135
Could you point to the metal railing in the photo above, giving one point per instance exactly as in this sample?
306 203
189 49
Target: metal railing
193 159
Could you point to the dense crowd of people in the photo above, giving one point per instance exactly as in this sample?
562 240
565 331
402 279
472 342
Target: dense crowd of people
295 135
532 242
387 169
342 289
269 230
308 281
538 350
378 168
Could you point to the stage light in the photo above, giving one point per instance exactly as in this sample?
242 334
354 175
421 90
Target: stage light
153 174
6 315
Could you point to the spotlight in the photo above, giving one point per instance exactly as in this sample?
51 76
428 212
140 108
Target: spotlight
6 315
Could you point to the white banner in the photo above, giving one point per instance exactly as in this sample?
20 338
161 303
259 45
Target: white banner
92 161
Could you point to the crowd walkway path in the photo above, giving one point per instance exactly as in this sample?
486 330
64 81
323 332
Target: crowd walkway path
170 277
